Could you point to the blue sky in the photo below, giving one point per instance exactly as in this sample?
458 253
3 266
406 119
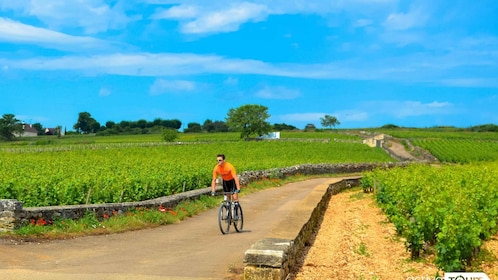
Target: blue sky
366 62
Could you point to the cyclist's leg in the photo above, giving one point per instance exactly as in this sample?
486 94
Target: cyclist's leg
232 187
227 188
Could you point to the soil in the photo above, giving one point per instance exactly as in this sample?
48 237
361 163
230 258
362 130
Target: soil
355 241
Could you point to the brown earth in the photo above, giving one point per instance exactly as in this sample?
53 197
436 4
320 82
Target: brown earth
355 241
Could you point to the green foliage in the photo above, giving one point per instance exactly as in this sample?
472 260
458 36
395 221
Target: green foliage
216 126
249 120
283 126
9 126
460 150
86 123
113 222
390 126
485 127
169 134
329 121
309 128
453 208
119 172
193 127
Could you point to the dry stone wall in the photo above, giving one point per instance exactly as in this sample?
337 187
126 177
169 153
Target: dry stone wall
275 258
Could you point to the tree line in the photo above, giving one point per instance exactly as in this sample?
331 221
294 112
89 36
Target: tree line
249 120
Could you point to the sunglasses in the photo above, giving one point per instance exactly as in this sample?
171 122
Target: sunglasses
220 160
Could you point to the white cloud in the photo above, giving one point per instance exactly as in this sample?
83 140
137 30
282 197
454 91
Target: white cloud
17 32
408 69
278 92
471 82
178 12
403 109
346 116
93 16
104 92
226 20
301 117
213 18
416 17
351 116
161 86
362 22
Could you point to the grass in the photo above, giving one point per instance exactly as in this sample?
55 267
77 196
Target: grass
140 218
362 250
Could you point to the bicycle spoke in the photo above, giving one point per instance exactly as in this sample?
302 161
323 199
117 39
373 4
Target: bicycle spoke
239 219
224 219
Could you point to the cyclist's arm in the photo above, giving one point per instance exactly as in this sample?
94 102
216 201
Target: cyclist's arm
236 178
237 183
213 182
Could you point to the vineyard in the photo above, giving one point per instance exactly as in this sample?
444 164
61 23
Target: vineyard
101 172
451 209
460 150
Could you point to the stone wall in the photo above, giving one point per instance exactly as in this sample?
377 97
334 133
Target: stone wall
274 258
13 215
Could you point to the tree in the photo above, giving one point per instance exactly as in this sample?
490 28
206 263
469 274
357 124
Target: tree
39 128
86 123
309 127
9 126
216 126
283 126
58 131
110 124
142 123
176 124
170 134
249 119
329 121
193 127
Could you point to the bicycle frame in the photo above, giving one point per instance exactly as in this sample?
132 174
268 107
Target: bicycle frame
228 213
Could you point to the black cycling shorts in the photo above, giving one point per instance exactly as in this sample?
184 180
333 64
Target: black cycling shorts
229 186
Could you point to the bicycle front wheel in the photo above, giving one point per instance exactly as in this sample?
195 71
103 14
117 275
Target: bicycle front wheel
238 220
224 218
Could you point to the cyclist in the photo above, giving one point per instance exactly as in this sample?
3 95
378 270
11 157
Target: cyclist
228 175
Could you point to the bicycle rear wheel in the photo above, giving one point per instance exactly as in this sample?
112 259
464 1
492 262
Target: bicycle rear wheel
238 220
224 218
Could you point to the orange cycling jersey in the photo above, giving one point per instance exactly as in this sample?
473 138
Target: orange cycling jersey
227 171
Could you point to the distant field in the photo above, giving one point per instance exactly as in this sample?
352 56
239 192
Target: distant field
89 169
76 170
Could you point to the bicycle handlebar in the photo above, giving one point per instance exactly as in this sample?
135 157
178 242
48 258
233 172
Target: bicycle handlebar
225 193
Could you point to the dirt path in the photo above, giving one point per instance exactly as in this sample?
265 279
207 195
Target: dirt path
192 249
399 150
355 241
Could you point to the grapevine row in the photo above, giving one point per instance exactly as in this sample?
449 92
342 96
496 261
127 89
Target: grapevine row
133 173
452 209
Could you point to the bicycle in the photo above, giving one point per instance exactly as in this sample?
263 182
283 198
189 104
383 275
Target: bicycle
230 213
